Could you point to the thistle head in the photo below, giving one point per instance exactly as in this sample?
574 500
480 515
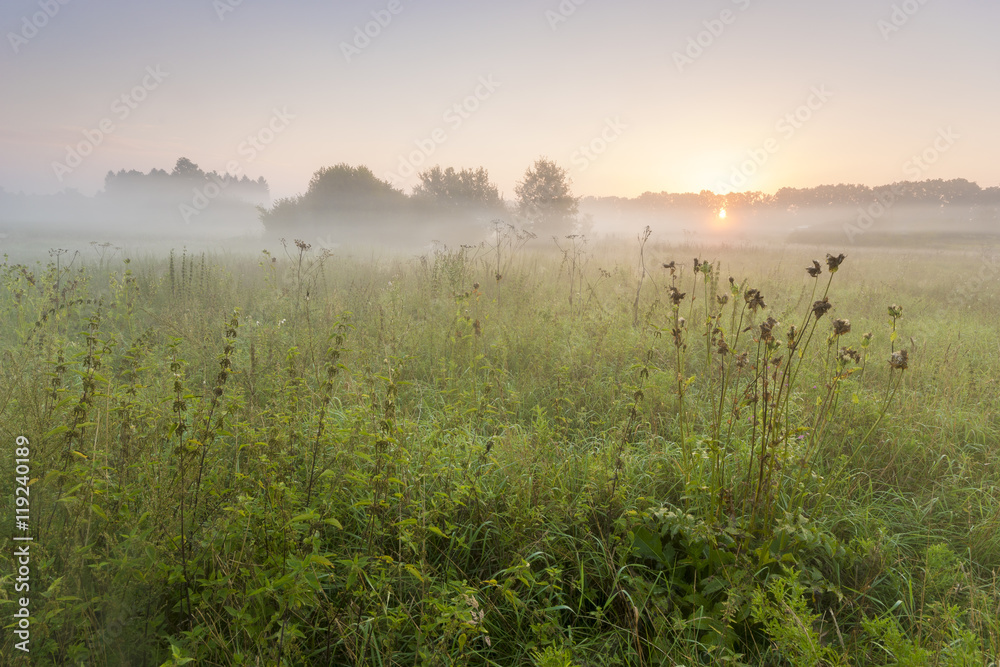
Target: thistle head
849 354
841 327
821 308
766 328
754 299
833 263
814 270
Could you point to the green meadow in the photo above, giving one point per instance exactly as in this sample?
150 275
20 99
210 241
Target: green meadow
515 453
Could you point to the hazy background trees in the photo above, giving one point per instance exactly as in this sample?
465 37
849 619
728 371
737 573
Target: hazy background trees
544 199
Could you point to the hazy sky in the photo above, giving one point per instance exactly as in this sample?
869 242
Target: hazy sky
628 96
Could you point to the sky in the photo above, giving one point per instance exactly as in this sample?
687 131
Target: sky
627 96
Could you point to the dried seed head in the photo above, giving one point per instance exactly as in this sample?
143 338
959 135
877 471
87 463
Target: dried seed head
849 354
766 327
899 360
754 299
815 269
722 299
477 328
741 360
895 312
672 266
723 347
676 296
841 327
475 285
697 265
821 308
791 337
833 263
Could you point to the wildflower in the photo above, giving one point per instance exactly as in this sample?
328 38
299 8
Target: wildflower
302 245
899 360
815 269
866 339
841 327
754 299
821 308
833 263
895 312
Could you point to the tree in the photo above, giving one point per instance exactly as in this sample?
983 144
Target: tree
185 168
470 189
544 198
346 188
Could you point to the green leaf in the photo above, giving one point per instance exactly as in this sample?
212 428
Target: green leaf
316 558
648 545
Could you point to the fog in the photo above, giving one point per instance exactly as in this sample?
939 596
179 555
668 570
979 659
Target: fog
346 205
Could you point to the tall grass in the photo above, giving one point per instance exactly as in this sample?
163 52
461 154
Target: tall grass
307 458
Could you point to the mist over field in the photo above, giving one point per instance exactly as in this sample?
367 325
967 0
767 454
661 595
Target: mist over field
564 333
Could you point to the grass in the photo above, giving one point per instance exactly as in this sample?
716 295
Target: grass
505 454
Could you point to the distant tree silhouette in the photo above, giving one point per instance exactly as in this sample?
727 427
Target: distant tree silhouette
341 195
185 168
469 189
544 198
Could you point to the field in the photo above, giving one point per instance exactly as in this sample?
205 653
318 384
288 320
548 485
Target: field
507 454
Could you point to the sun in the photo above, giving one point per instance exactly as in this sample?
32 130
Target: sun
722 214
